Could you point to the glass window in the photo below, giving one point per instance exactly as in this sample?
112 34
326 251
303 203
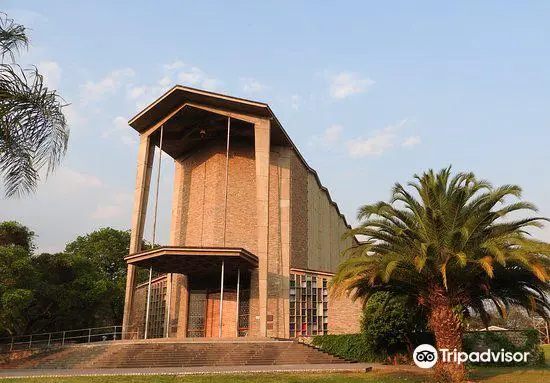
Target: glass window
308 305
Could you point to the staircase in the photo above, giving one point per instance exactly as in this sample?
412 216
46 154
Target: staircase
177 354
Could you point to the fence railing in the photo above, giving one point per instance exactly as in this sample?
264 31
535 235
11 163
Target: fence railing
63 338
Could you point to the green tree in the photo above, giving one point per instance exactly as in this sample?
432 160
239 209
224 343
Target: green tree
78 288
105 249
70 292
16 289
391 327
14 234
33 129
452 247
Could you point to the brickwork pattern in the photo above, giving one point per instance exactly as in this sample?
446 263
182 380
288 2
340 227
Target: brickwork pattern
344 315
298 213
203 198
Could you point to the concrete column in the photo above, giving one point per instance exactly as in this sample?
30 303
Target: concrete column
176 235
176 239
182 299
262 149
284 216
141 195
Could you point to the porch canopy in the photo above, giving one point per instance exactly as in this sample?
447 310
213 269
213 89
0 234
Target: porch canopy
203 261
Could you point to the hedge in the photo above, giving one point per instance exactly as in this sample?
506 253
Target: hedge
355 346
350 346
525 341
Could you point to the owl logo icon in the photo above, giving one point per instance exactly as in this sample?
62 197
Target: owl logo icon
425 356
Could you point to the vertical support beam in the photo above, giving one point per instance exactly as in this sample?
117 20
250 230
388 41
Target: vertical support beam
168 305
141 195
237 304
176 235
221 300
226 180
262 150
176 239
182 296
148 306
153 240
284 224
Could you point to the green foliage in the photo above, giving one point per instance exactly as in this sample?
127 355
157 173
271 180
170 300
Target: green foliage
81 287
452 242
350 346
497 340
106 249
390 327
14 234
16 288
33 129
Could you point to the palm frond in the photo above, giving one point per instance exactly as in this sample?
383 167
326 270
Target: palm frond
453 234
33 129
12 37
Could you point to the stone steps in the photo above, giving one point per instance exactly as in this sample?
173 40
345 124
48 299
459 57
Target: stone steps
164 354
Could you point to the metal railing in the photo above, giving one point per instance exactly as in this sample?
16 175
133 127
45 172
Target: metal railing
63 338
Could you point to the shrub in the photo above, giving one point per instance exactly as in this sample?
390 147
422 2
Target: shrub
497 340
350 346
391 326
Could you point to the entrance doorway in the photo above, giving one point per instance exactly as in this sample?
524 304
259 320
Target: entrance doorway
204 313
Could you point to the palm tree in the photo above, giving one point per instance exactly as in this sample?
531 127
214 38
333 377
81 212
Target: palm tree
33 130
452 245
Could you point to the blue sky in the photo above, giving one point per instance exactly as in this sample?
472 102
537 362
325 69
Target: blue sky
370 92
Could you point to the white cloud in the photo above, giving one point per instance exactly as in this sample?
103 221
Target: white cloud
70 179
165 81
143 95
121 203
196 77
136 92
345 84
251 85
74 117
107 211
211 84
121 129
51 72
128 139
332 133
379 141
328 137
410 142
108 85
174 65
295 101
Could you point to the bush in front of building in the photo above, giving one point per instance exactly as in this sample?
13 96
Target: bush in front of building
349 346
392 328
527 340
390 332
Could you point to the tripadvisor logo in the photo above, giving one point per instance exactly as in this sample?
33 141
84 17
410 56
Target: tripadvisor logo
426 356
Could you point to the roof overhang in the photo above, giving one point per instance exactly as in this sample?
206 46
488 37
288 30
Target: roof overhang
179 95
181 100
193 260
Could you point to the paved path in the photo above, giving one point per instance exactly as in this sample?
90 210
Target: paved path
347 367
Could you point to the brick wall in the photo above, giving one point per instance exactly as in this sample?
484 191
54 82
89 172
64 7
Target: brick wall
298 213
344 315
203 198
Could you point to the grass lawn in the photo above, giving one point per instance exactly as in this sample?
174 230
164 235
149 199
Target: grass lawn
486 375
546 349
373 377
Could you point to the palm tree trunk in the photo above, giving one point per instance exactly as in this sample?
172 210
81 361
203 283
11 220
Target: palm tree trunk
448 334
